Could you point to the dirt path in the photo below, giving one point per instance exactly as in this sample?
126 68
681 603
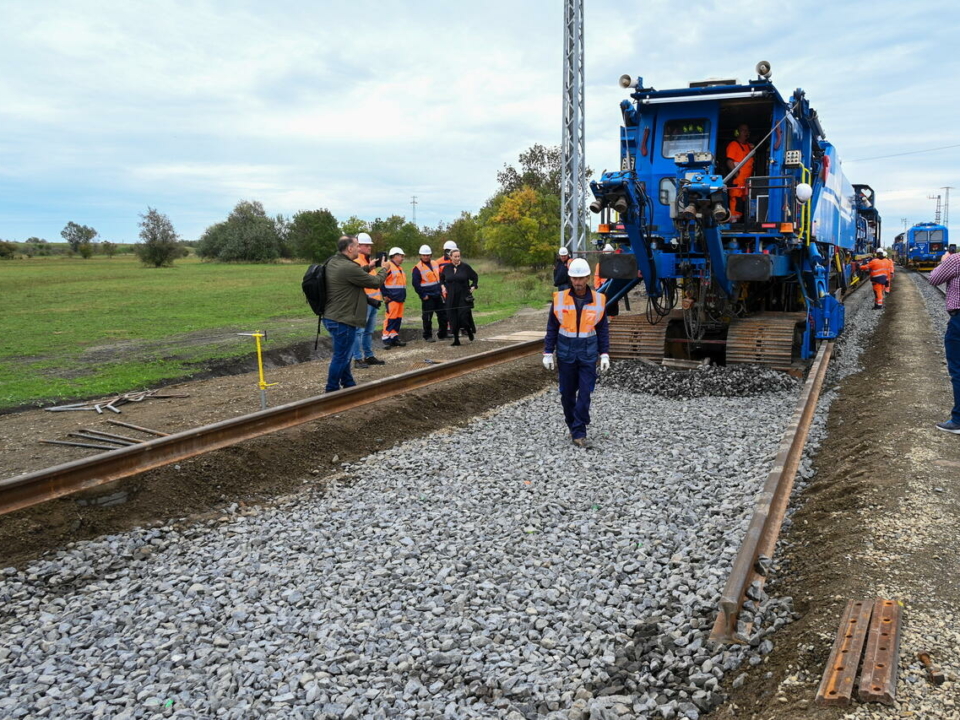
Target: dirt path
878 519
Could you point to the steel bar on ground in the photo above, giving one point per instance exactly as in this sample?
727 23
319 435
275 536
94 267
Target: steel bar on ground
878 678
836 685
137 427
37 487
129 440
98 438
76 444
767 517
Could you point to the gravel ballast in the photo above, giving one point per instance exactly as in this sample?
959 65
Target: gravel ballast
491 571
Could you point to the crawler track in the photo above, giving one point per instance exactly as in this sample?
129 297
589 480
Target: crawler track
37 487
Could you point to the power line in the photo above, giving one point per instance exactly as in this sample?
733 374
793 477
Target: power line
912 152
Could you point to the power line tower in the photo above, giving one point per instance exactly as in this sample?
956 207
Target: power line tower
946 204
413 204
573 193
936 218
904 221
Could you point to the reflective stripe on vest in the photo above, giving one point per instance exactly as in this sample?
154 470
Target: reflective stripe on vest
565 310
429 275
373 293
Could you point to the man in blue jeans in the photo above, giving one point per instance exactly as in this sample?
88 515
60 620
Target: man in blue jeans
948 272
346 308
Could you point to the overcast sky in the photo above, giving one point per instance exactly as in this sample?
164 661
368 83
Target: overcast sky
109 107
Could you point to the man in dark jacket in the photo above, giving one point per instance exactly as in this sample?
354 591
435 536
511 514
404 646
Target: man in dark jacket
561 278
346 308
577 329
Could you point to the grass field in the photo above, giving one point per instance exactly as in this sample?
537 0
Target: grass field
73 328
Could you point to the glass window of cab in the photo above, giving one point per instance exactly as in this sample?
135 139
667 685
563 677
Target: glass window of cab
684 136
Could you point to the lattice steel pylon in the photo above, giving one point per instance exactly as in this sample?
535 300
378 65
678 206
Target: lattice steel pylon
573 191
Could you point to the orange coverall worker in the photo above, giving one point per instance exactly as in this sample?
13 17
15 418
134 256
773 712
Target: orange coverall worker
881 272
395 293
737 151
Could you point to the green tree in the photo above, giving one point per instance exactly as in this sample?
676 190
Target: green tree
396 231
522 227
247 235
314 234
464 231
86 249
108 248
354 226
8 250
161 244
76 235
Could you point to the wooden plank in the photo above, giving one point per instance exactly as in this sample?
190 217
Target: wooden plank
878 679
836 687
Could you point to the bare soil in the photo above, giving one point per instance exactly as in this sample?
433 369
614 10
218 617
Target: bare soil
878 519
258 470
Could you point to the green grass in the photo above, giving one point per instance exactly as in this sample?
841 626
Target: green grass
73 328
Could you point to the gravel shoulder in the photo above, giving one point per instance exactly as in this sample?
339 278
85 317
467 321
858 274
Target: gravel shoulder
878 518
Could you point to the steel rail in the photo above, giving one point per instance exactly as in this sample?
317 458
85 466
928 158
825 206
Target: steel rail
764 529
37 487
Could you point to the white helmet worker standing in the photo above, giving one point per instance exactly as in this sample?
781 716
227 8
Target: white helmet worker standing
364 239
449 245
608 248
425 250
578 331
563 252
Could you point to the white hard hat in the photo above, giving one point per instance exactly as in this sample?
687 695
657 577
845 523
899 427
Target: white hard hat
425 250
882 253
450 245
395 251
579 268
563 251
608 248
364 239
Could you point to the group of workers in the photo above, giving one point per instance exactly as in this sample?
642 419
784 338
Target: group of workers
358 284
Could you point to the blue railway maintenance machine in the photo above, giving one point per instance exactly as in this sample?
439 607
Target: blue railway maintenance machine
760 287
921 247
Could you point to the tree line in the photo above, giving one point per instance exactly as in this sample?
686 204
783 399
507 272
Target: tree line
518 226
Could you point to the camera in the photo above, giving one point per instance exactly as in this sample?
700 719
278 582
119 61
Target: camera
381 259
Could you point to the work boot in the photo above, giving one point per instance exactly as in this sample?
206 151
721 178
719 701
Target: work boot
877 307
360 365
470 335
456 341
397 342
373 361
581 442
429 339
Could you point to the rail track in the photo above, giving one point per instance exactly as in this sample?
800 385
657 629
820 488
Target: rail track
58 481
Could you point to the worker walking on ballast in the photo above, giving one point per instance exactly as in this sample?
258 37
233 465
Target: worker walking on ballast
881 274
577 329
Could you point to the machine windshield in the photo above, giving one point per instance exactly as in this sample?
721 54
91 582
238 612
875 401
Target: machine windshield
685 136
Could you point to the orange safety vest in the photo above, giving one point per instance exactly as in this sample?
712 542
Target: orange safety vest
879 268
372 293
565 311
429 276
597 280
395 283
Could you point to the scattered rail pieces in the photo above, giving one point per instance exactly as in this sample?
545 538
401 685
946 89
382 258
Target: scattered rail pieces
836 687
140 428
113 403
878 679
935 673
76 444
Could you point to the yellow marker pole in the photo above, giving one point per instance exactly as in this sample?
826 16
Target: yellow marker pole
263 384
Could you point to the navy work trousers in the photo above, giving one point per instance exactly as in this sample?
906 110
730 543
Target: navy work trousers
344 336
951 342
577 380
429 306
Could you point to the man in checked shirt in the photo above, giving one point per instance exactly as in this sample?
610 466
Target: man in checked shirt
949 272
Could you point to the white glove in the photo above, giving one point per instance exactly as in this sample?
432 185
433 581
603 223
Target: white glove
548 361
604 362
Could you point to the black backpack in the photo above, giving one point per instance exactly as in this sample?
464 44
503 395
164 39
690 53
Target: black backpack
315 290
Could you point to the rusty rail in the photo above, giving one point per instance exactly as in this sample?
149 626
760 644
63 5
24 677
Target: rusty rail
37 487
761 537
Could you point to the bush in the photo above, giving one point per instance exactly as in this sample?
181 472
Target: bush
160 246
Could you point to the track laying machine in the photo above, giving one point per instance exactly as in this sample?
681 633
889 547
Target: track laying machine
743 255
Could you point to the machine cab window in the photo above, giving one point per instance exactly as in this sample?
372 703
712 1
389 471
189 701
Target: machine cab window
685 136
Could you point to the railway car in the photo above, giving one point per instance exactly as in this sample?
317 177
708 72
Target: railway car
922 246
761 285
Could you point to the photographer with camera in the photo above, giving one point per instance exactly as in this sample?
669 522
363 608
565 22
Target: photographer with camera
346 308
363 356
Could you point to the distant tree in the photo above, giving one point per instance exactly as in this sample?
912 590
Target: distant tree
283 224
108 248
247 235
161 245
396 231
76 235
354 226
8 250
464 231
313 234
86 249
212 241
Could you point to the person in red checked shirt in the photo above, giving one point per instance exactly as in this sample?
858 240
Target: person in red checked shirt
949 272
